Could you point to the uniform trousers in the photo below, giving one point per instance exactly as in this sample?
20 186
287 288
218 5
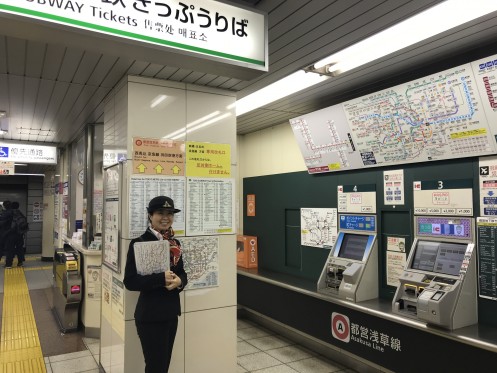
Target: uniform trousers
157 340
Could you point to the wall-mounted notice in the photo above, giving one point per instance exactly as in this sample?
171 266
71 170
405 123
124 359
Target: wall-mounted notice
318 227
158 156
443 197
488 186
94 282
7 168
396 262
250 204
142 189
487 257
201 259
117 305
111 252
396 259
432 118
210 206
357 198
393 187
205 159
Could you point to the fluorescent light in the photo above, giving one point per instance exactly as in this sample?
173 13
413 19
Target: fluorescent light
183 129
284 87
201 125
433 21
156 101
3 132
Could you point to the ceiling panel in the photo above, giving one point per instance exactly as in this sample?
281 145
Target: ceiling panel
35 55
52 90
85 68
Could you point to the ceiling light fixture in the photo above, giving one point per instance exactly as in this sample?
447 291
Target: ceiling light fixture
284 87
433 21
422 26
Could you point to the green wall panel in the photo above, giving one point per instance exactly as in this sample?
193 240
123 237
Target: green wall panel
280 197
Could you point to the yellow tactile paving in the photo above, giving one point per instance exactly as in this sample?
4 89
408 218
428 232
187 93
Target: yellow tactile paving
20 350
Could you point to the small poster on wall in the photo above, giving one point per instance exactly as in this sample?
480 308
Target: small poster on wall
488 186
393 187
318 227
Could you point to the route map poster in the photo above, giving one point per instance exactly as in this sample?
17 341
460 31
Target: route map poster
441 116
318 227
201 258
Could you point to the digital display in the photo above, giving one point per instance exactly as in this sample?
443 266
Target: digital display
353 246
444 227
439 257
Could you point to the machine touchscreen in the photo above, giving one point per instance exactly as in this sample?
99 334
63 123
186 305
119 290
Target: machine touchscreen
353 246
439 257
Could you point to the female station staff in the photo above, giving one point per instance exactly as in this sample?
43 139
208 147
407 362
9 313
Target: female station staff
158 306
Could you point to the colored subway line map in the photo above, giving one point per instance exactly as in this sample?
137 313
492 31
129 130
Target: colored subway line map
441 116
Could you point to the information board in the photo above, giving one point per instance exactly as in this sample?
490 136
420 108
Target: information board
487 257
441 116
366 223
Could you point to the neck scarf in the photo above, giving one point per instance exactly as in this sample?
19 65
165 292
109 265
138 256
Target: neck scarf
174 246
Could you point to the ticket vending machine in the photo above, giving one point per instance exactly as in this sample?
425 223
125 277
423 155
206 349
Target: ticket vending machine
438 285
351 270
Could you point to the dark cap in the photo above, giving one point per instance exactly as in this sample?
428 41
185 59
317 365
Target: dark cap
161 202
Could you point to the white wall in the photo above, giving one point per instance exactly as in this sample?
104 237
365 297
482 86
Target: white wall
267 152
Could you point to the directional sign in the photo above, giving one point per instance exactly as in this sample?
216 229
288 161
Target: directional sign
158 157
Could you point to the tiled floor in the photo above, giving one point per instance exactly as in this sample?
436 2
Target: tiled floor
259 350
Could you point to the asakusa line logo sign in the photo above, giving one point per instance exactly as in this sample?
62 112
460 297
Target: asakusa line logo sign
340 327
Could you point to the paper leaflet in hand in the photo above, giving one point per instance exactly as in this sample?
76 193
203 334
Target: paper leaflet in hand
151 257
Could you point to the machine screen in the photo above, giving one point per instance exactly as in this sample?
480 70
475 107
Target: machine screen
439 257
353 246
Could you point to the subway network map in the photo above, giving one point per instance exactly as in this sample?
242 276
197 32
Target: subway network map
441 116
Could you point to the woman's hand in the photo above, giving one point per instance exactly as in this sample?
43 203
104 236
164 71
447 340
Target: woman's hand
172 281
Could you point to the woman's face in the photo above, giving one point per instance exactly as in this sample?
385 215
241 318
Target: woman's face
161 219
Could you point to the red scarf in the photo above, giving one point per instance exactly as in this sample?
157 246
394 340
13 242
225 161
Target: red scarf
174 246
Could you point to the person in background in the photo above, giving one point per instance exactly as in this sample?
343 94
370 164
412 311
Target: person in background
5 224
14 239
158 306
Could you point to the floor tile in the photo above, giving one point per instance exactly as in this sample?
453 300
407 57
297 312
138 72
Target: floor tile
289 354
245 348
277 369
70 356
80 364
269 342
251 333
240 369
315 365
259 360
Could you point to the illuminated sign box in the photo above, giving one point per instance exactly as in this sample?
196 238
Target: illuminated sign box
205 27
23 153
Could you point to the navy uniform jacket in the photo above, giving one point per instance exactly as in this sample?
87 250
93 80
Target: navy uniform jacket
155 302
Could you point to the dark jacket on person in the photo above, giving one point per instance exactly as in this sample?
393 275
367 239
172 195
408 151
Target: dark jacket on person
155 303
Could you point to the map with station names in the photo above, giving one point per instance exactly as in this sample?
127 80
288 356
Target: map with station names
451 114
201 261
319 227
